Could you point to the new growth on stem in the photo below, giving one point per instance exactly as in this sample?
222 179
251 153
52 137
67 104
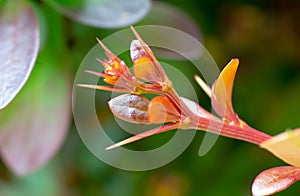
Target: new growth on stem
169 108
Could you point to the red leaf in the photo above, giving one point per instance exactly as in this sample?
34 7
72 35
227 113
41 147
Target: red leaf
275 180
19 45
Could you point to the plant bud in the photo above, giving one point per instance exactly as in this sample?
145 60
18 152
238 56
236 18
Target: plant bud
131 108
162 110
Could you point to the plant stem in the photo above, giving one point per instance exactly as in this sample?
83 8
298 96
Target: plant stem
245 133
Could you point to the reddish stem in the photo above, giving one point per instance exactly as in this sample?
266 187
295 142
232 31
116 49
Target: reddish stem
244 133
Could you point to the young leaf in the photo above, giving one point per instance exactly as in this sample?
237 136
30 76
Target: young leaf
131 108
285 146
162 110
275 180
222 91
19 45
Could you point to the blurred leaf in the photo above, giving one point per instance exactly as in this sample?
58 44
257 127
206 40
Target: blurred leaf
285 146
275 180
103 13
130 107
19 45
34 127
165 14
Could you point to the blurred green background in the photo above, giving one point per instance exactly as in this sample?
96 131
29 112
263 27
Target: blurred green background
263 34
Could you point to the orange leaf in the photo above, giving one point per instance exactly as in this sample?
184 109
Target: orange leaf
162 110
222 91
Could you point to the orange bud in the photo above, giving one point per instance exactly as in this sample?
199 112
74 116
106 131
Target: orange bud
162 110
144 69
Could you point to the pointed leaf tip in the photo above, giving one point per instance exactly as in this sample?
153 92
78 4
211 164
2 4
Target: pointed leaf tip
222 91
275 180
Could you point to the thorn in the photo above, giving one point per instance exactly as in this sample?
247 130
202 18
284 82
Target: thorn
87 86
137 35
108 53
95 73
203 85
145 134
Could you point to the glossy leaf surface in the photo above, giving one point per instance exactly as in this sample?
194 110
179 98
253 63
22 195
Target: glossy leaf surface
275 180
19 45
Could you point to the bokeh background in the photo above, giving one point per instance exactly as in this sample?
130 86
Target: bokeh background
263 34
